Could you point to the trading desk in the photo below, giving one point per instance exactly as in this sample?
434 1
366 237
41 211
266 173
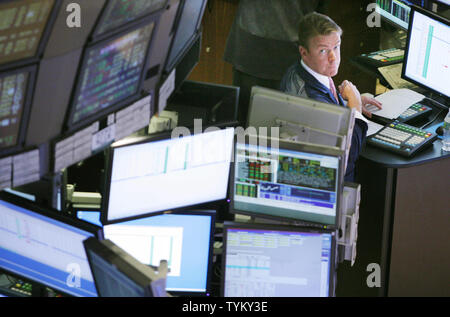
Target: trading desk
404 225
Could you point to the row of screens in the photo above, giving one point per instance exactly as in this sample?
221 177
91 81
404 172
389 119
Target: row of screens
269 177
113 66
26 23
259 260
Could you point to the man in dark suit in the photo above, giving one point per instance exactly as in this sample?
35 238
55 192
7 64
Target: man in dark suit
311 77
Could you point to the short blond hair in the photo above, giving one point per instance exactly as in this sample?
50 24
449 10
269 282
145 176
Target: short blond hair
314 24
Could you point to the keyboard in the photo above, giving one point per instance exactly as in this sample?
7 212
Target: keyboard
383 57
414 113
402 139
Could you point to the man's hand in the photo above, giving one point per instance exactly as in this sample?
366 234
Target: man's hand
350 93
366 102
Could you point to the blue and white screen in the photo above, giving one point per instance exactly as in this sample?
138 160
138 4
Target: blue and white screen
286 183
44 250
182 240
167 174
428 59
275 263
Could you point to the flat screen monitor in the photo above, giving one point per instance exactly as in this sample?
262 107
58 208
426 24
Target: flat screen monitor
287 181
155 175
427 54
397 12
45 247
120 12
187 26
23 28
117 274
16 89
111 74
277 261
184 239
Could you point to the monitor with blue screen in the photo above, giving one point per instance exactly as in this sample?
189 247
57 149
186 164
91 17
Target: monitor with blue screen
184 239
45 247
277 261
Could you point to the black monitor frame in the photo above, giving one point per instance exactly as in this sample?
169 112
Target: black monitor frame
277 227
170 65
71 127
52 214
108 173
53 14
26 107
433 16
293 146
97 36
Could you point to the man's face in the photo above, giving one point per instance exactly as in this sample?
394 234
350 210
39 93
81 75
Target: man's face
323 55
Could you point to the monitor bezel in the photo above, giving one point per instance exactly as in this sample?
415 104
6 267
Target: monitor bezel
279 227
162 136
71 127
45 36
170 65
32 71
432 16
97 36
52 214
293 146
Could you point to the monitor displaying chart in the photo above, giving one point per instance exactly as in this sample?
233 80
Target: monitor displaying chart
427 57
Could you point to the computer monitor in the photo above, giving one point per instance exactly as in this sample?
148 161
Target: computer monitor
111 74
184 239
427 61
397 12
277 261
117 13
162 173
301 119
187 27
16 92
118 274
24 28
286 181
43 246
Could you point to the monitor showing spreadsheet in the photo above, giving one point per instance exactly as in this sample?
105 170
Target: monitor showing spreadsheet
16 92
427 54
119 12
45 247
152 176
276 261
111 74
23 28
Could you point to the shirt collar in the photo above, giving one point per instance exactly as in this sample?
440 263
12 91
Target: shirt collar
324 80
